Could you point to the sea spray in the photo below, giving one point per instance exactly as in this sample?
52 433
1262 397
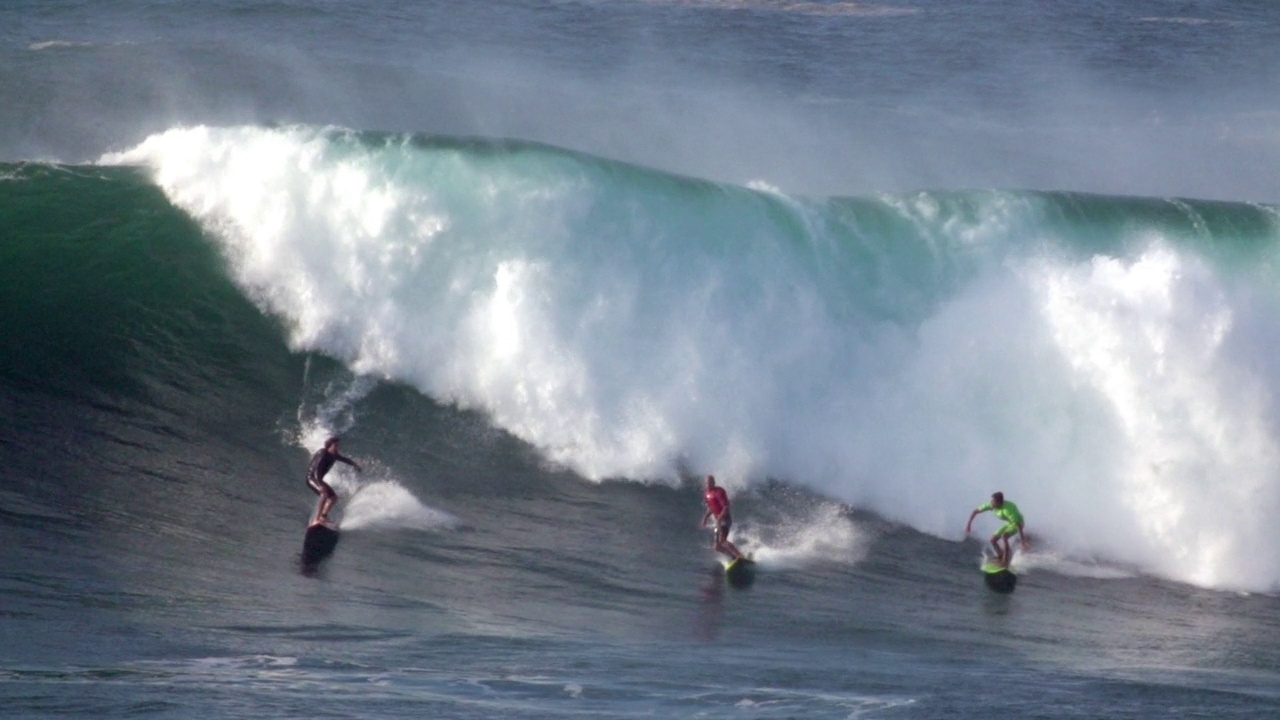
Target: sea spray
822 533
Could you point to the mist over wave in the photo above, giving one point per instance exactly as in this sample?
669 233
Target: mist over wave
1104 361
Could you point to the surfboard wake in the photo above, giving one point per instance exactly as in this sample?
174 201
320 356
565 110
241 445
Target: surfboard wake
388 504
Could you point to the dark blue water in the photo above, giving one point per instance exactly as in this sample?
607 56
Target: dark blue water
544 265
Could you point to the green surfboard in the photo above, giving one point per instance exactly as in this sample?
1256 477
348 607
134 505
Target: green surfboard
998 577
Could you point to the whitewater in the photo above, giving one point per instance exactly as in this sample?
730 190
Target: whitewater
902 353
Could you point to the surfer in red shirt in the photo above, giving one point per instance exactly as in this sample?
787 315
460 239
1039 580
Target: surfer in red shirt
718 506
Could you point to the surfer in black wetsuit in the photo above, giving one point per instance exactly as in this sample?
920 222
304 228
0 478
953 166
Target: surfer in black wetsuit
321 463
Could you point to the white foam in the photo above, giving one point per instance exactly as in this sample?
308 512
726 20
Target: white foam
54 44
1184 480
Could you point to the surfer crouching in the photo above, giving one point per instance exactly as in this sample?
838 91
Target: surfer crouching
321 463
1008 512
718 506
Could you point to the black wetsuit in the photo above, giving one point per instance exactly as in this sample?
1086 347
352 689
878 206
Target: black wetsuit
321 463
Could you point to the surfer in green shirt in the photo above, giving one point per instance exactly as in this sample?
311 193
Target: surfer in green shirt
1008 512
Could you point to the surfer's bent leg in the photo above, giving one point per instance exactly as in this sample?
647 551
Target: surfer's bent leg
722 539
327 495
1006 532
331 499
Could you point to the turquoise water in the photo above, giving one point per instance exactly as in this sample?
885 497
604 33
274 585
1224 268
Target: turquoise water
544 265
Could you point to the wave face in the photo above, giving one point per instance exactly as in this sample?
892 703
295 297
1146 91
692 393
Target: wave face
1105 361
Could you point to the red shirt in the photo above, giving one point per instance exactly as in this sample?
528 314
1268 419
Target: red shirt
717 500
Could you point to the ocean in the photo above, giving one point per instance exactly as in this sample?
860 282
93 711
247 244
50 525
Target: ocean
545 265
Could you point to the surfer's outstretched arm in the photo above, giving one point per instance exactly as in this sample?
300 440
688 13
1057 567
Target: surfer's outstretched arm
968 528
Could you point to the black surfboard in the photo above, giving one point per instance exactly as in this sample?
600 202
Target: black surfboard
318 543
740 573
